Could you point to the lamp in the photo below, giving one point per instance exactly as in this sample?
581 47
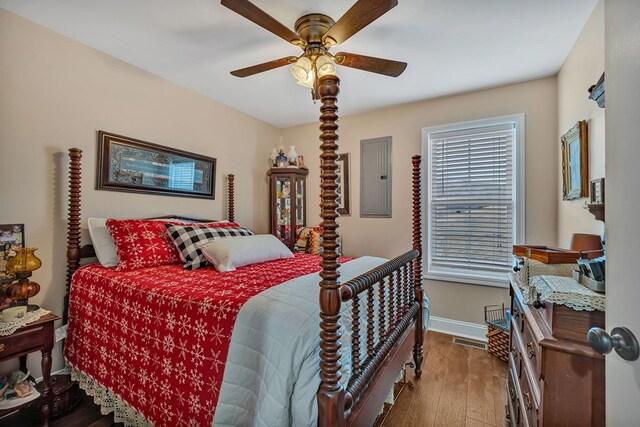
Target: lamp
23 265
307 70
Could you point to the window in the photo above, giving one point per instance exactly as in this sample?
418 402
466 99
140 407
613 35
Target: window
475 203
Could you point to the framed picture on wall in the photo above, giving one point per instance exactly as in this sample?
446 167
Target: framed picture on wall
11 235
343 184
135 166
575 162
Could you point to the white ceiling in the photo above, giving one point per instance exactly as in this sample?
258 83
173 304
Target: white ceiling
451 46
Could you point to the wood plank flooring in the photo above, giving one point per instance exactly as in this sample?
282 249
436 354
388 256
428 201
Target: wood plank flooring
460 386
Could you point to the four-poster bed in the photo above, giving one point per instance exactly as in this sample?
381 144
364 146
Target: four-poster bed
381 308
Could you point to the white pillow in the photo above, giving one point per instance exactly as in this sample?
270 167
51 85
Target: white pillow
233 252
103 242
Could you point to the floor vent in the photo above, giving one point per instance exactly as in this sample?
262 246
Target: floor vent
470 343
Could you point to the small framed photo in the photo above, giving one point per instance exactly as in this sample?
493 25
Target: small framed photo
342 171
11 235
597 192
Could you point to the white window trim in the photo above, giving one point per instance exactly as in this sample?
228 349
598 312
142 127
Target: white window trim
489 279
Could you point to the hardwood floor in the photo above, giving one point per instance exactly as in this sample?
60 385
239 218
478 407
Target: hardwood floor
460 386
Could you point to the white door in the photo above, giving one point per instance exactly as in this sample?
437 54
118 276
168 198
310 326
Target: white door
622 202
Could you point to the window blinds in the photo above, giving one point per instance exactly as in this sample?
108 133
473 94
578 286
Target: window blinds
472 198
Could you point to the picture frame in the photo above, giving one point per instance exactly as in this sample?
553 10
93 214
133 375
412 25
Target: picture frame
134 166
344 202
11 235
575 162
596 193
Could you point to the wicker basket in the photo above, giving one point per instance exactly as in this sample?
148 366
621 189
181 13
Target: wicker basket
497 318
65 394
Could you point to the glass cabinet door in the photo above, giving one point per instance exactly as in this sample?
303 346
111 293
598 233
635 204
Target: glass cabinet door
300 213
283 208
288 211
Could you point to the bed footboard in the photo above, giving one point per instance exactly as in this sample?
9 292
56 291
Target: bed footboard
391 309
389 296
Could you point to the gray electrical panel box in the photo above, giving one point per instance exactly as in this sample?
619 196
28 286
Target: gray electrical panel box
375 178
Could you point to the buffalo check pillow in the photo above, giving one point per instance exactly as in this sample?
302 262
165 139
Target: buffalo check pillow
142 243
186 239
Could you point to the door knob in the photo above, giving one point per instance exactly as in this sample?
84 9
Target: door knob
621 340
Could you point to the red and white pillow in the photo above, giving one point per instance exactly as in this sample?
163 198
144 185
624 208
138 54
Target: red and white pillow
145 243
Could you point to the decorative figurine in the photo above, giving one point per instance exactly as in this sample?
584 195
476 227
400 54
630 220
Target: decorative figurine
281 160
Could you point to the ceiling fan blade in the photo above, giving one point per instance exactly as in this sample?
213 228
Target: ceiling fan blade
369 63
254 14
361 14
266 66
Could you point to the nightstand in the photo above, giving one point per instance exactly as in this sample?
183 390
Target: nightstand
36 336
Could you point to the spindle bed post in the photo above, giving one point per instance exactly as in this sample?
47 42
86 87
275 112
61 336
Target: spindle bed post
331 393
417 263
231 198
73 223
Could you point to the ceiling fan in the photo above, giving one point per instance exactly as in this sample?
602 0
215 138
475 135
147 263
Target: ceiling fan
315 34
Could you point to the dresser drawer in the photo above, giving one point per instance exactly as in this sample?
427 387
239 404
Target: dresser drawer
20 342
515 348
513 404
531 350
517 314
528 404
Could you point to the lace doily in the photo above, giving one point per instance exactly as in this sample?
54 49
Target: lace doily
565 291
109 401
532 268
7 328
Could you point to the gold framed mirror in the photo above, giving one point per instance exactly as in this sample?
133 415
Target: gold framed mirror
575 162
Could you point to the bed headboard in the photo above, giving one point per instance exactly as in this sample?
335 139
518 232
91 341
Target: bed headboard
76 251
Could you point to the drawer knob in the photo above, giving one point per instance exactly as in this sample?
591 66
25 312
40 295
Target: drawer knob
621 340
537 303
1 347
531 350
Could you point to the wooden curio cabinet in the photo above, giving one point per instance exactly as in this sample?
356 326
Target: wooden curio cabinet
288 202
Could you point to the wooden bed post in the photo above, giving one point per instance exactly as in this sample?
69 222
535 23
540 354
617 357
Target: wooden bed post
331 394
231 216
417 264
73 221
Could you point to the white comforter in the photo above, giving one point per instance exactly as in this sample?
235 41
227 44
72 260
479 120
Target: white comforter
272 372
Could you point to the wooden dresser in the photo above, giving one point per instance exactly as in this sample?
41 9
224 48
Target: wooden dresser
555 378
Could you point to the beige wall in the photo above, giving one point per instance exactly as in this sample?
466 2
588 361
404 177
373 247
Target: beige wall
55 93
581 69
390 237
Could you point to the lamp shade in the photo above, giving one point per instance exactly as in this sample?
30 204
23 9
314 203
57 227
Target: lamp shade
309 81
585 242
302 69
325 66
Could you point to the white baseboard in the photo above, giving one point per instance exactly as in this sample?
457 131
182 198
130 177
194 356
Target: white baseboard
458 328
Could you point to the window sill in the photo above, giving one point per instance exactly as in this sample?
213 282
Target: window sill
470 279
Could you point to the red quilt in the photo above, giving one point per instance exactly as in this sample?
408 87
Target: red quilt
159 337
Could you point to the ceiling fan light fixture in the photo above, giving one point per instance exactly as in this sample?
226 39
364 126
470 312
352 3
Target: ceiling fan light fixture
302 69
325 66
309 82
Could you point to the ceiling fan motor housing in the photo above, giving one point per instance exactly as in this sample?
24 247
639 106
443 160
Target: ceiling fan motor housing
312 27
